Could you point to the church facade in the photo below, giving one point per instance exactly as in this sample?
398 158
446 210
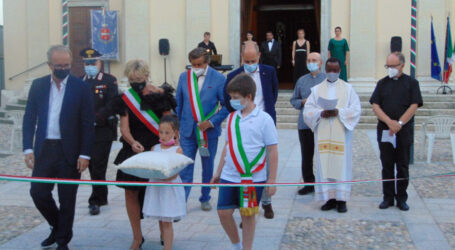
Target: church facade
30 27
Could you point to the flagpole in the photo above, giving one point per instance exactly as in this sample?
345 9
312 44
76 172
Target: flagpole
413 62
65 21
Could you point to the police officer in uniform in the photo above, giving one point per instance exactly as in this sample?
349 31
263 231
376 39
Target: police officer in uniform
104 88
395 102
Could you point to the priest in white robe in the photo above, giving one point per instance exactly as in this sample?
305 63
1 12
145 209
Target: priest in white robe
332 111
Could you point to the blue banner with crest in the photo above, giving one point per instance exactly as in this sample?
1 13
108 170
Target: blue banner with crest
105 33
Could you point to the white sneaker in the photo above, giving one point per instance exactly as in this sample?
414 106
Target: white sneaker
205 206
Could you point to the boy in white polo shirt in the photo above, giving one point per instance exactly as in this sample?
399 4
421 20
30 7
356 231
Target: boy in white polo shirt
252 142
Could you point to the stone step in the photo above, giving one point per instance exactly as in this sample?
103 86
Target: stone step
371 126
22 101
6 121
14 107
369 112
363 119
365 98
367 105
3 113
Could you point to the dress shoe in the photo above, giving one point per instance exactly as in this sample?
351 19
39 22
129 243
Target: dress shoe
329 205
341 207
94 209
306 190
268 211
50 241
385 204
62 247
205 206
402 206
241 225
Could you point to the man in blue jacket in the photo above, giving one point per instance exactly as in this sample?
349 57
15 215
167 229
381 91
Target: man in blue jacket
201 110
266 95
59 118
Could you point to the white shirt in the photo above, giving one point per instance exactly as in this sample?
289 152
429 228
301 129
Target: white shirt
259 97
270 44
55 107
258 130
53 115
201 79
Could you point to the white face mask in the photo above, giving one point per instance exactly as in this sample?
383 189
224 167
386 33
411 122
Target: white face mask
392 72
198 71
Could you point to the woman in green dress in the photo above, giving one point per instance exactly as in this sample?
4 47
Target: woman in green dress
339 48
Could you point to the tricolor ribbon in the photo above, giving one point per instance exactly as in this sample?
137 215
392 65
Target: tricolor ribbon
171 184
147 117
196 108
248 196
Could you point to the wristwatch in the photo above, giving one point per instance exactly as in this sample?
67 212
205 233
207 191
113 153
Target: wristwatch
401 123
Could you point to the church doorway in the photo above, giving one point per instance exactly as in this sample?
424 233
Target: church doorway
283 18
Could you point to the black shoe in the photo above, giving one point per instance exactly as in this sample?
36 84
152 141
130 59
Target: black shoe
385 204
341 207
241 225
306 190
50 241
268 211
161 240
329 205
402 205
94 209
62 247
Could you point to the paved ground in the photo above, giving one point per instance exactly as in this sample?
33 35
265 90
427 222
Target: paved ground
298 223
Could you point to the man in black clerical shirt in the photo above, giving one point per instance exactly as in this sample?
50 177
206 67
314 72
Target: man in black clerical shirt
395 101
207 44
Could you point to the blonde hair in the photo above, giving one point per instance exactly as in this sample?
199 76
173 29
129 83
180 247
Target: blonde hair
137 67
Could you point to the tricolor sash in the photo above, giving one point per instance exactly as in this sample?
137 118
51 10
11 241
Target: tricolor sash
248 196
147 117
196 108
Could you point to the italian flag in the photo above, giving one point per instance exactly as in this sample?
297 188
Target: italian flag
449 56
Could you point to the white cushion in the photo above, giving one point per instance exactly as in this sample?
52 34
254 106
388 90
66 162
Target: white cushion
155 165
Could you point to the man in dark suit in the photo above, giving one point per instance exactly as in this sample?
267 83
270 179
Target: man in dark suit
104 89
208 45
59 117
271 51
266 95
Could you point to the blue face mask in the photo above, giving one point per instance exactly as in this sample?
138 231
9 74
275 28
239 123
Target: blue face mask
332 77
91 70
251 67
312 67
236 104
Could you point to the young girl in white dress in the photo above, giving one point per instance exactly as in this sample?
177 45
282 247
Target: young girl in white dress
167 204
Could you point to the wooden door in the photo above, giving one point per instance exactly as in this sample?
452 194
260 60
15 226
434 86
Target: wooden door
79 36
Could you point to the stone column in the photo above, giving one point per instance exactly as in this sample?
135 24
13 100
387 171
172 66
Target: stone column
136 29
325 28
362 41
234 32
135 33
197 22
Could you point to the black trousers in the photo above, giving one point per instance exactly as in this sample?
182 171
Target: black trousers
97 168
52 163
399 157
306 138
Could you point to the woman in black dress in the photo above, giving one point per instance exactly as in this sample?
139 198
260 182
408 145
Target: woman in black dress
300 51
137 137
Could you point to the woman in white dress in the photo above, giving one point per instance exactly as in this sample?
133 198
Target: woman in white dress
167 204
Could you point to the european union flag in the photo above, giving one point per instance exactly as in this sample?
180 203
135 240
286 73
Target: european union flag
435 65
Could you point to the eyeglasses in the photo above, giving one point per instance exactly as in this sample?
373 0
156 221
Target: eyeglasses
61 66
391 66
